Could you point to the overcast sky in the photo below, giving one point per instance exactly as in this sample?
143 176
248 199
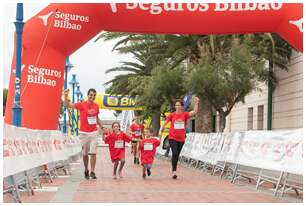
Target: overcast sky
93 58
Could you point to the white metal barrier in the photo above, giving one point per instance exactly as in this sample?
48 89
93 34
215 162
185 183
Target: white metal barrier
28 153
250 154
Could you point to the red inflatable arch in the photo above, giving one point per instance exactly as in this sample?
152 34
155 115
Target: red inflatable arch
60 29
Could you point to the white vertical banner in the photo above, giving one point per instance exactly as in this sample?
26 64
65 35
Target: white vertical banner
126 120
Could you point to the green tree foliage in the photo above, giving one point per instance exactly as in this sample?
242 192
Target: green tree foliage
223 69
227 79
164 87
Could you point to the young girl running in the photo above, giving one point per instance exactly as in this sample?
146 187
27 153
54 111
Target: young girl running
147 149
116 141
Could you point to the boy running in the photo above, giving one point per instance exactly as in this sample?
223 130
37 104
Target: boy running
147 149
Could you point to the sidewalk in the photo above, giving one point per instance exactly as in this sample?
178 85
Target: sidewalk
191 186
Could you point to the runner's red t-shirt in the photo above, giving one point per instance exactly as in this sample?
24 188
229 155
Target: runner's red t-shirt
178 125
147 149
116 143
138 129
88 115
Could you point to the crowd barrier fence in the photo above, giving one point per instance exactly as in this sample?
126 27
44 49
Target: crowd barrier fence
30 154
261 156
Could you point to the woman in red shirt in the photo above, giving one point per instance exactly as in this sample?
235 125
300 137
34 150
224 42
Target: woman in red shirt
177 133
116 141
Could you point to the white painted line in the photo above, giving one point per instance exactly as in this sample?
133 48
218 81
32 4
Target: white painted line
75 163
46 189
63 176
102 145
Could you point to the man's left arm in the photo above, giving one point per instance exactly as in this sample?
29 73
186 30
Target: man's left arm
99 122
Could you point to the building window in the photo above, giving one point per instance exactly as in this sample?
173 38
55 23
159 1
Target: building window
260 117
250 118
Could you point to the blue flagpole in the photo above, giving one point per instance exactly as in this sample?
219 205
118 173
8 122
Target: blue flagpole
17 110
73 83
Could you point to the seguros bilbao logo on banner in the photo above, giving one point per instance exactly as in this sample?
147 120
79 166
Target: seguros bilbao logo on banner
158 8
42 76
65 20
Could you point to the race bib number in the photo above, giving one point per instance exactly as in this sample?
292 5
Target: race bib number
92 120
138 132
119 144
179 125
148 147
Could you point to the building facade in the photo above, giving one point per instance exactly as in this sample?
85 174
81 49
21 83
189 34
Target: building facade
287 101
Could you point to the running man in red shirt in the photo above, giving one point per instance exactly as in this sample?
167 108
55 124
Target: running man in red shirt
116 141
89 120
147 148
137 130
177 133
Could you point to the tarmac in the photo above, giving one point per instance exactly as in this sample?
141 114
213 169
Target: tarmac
192 186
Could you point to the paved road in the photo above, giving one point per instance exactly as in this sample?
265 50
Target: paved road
191 186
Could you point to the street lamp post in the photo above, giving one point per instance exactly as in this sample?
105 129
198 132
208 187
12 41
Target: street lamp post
68 67
19 29
73 83
81 97
78 93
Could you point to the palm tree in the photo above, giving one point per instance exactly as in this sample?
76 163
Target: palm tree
135 82
172 49
136 71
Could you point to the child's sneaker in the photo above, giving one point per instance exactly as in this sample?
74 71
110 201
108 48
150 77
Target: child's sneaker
120 174
148 171
93 175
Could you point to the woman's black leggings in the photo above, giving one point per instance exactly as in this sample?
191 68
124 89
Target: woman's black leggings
176 148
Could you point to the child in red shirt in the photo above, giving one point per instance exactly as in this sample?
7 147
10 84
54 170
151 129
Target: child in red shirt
116 141
147 149
137 130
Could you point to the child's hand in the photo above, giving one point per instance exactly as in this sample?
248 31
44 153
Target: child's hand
106 131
